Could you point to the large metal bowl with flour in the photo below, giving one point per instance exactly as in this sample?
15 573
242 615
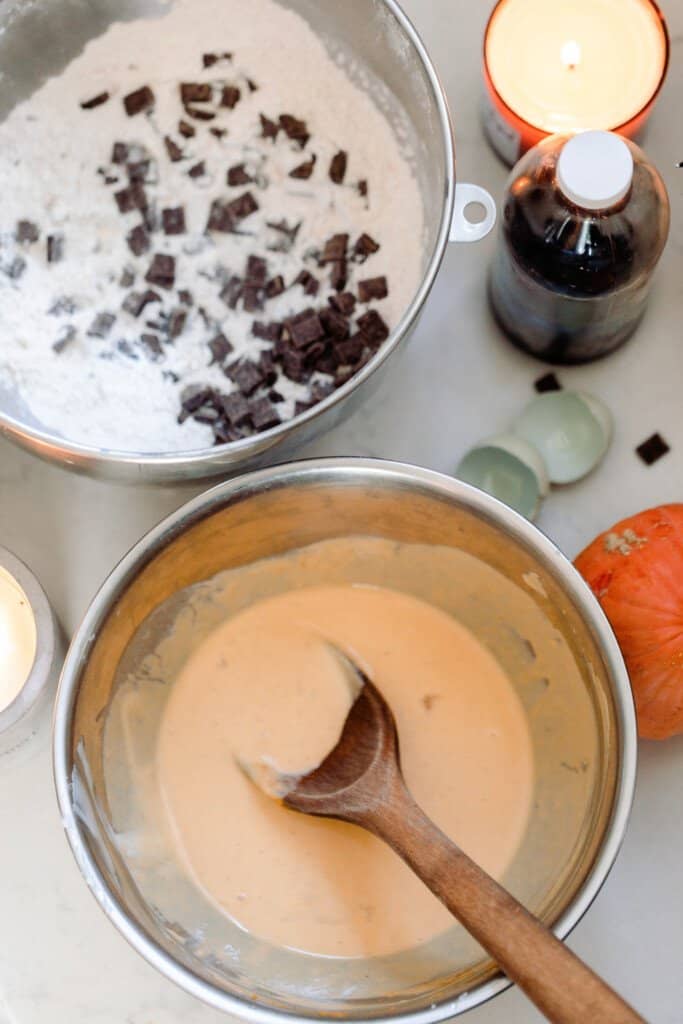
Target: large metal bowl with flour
38 40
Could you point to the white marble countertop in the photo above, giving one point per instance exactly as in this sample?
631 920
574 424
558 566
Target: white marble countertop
61 962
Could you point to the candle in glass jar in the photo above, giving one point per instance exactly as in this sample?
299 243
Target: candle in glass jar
17 638
570 66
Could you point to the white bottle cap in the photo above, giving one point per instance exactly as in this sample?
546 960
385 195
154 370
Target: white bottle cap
595 170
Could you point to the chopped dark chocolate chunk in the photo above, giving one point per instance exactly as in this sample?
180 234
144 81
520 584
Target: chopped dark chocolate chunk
335 323
349 352
15 268
305 328
304 171
162 271
218 133
335 249
275 287
66 335
131 198
195 92
55 248
185 296
321 389
338 167
246 375
309 283
339 276
150 217
373 327
548 382
186 130
252 297
139 171
220 349
362 187
253 87
136 102
207 414
152 344
295 366
264 415
238 175
96 101
136 302
127 279
257 270
269 129
62 306
294 129
27 231
101 325
230 96
267 368
652 450
197 170
372 288
119 153
275 396
267 332
194 397
225 216
138 240
364 247
175 153
126 349
176 323
209 59
232 292
235 408
344 303
173 220
199 114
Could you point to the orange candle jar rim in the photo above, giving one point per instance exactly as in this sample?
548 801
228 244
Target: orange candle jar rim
659 15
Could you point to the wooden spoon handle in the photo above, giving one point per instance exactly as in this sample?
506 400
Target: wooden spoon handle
560 984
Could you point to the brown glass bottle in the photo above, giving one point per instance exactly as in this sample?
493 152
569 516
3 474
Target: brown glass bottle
582 234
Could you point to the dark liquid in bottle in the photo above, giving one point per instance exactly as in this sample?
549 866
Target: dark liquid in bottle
571 285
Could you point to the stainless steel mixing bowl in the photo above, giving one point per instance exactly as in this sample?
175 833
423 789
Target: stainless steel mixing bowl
38 39
581 802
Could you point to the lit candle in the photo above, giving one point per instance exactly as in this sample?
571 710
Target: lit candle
571 66
31 655
17 638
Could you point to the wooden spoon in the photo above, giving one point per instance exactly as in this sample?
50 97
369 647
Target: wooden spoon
361 782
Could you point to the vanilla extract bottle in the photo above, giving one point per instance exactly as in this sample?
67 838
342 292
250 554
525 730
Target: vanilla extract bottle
586 219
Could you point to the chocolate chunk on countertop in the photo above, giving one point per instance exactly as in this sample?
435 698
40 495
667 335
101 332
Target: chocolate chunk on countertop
335 249
269 129
230 96
188 131
175 153
652 450
304 171
133 197
220 349
238 175
101 325
548 382
294 129
364 247
27 231
55 248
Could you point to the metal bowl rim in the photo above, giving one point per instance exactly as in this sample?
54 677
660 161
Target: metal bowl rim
326 471
62 450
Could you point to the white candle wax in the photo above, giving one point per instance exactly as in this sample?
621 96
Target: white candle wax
575 65
17 638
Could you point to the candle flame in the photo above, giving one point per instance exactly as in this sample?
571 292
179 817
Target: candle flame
571 54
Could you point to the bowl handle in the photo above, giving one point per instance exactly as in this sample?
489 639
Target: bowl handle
464 230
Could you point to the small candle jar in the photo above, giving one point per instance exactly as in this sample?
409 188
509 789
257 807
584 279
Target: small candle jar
31 655
568 66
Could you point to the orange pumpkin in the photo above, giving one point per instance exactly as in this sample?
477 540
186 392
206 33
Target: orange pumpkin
636 572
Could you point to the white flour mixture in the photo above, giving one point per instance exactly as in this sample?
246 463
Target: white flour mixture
56 172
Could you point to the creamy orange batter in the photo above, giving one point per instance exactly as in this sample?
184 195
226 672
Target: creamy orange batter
266 684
